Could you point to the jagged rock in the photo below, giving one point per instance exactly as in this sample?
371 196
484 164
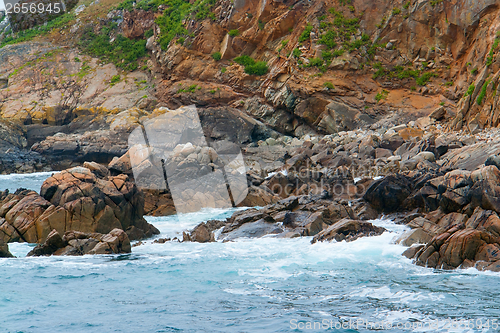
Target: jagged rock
74 199
80 243
348 230
465 245
439 113
255 229
412 251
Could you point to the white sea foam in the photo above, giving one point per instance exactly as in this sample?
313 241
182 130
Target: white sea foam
30 181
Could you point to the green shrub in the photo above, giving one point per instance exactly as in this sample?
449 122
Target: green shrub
381 95
251 66
306 33
191 89
234 33
29 34
315 62
470 90
489 59
217 56
407 5
115 79
473 71
148 33
244 60
396 11
259 68
482 94
381 71
328 85
296 53
328 39
424 78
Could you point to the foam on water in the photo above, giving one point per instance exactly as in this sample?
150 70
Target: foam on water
31 181
251 285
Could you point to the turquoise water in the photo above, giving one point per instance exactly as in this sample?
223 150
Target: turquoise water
263 285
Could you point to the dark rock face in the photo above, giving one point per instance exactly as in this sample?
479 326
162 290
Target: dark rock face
79 243
67 150
4 250
389 193
219 124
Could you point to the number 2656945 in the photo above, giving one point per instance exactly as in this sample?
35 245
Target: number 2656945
31 8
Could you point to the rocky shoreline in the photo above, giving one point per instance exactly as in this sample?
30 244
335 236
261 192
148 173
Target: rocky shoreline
443 185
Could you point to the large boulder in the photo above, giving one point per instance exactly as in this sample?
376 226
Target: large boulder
389 193
94 204
78 199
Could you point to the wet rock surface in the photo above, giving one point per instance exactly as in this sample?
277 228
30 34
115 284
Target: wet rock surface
76 243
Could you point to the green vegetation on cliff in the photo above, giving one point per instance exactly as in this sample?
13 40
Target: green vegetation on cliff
252 67
29 34
171 22
122 52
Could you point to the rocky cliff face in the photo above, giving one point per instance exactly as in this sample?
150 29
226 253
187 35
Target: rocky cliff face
330 66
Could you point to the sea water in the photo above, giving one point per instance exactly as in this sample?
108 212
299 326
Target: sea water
250 285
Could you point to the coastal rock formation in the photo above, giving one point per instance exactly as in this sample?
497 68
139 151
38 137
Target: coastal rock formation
459 226
78 199
473 243
75 243
348 230
295 216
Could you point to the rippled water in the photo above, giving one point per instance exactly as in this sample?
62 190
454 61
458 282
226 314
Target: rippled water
263 285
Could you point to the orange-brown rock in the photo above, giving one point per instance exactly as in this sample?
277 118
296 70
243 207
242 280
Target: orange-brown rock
75 199
80 243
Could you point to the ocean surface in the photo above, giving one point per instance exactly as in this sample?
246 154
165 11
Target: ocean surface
251 285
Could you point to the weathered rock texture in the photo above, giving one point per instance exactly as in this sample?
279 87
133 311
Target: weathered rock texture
78 199
75 243
296 216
